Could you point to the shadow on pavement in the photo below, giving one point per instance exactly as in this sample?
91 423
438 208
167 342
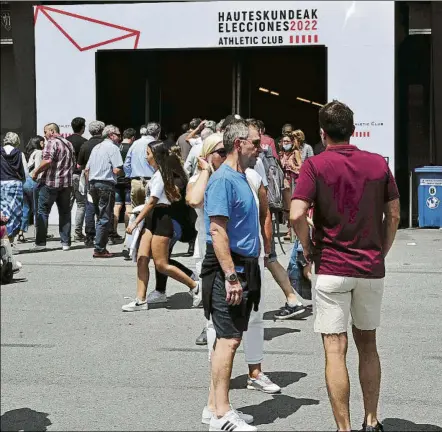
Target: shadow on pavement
279 407
283 379
272 333
25 419
52 249
180 300
395 424
17 280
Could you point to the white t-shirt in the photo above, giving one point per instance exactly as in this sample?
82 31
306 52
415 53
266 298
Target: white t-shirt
254 180
259 168
155 188
192 159
200 243
195 141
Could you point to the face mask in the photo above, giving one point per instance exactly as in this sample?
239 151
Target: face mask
287 147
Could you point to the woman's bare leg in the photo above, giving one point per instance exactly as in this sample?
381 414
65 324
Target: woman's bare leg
160 255
144 253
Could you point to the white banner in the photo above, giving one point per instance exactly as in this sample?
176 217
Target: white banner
359 36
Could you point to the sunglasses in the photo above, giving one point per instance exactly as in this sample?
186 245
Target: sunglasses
221 152
256 143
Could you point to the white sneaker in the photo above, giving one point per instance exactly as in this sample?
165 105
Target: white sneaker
16 266
263 383
134 305
37 248
156 297
197 295
231 421
207 415
66 248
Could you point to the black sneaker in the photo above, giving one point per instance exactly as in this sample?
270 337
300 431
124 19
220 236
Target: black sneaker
116 239
288 312
378 428
89 242
79 238
202 338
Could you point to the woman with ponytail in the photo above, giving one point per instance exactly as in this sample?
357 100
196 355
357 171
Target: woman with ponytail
163 190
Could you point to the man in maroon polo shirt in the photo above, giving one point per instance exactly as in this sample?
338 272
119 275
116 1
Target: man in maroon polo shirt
356 215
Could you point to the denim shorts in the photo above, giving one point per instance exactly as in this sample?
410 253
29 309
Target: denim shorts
122 194
229 322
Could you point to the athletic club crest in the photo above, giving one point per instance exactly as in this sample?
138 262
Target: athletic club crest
6 20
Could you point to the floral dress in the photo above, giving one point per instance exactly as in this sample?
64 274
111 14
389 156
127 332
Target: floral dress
291 164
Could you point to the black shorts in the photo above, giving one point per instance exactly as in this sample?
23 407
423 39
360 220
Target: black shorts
229 322
160 223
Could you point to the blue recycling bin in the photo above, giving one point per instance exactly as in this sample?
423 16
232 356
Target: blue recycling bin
429 180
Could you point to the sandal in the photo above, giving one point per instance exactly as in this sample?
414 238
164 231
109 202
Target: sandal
21 238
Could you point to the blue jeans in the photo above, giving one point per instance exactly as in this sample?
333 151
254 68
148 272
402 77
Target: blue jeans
103 195
46 199
295 272
29 202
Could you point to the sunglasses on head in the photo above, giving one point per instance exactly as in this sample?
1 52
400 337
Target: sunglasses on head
221 152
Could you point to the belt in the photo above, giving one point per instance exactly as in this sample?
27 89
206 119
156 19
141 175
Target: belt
140 178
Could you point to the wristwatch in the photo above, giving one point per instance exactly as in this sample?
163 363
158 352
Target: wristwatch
232 278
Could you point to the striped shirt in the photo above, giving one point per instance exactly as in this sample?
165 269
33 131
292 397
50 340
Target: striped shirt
105 157
61 154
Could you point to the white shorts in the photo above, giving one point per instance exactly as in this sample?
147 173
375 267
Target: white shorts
336 297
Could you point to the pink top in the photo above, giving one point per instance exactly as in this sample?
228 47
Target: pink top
267 142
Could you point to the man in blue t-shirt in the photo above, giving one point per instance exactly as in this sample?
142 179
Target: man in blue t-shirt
230 273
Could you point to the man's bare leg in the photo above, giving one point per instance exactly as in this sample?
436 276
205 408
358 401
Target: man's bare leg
222 362
336 377
117 211
280 275
369 372
211 401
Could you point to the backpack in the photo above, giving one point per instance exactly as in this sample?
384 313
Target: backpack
275 178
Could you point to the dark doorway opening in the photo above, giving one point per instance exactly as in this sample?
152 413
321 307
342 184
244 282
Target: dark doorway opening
173 86
274 78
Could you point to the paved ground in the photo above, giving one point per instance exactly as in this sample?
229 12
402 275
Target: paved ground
71 360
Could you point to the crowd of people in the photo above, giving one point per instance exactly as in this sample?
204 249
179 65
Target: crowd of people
220 187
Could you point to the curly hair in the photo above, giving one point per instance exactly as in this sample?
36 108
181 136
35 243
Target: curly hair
170 167
299 136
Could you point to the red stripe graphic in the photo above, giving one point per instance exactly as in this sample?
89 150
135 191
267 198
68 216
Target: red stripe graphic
309 38
297 38
315 39
291 39
361 134
131 32
303 38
